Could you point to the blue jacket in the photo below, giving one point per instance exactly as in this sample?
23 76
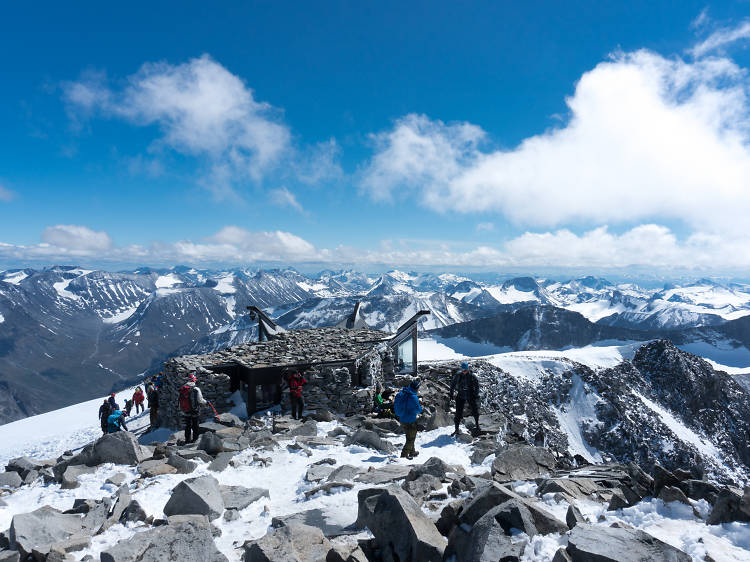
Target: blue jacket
411 407
115 422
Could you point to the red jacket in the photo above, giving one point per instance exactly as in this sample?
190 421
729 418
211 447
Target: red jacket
138 397
296 381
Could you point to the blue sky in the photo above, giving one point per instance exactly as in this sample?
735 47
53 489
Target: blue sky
486 135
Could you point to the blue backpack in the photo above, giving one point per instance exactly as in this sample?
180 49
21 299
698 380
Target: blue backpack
399 403
113 422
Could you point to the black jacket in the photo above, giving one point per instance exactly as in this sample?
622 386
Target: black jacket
466 384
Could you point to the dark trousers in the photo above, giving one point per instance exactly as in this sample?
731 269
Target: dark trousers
460 402
411 435
139 406
153 415
104 425
191 428
297 405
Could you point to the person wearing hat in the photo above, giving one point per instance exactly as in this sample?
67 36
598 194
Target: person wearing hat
466 384
112 404
191 401
406 406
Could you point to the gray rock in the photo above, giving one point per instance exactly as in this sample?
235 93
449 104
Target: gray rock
312 518
210 443
185 542
122 501
71 474
663 477
191 454
10 556
589 543
231 515
525 516
230 420
421 487
482 500
133 512
731 505
439 418
293 543
562 555
400 528
344 473
318 473
328 487
201 496
384 474
221 462
24 465
10 480
700 490
42 528
322 415
673 494
309 429
485 541
152 468
522 462
433 466
239 497
121 447
368 438
182 465
117 479
211 427
574 516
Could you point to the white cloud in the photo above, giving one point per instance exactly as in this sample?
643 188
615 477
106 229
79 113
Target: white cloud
201 109
485 227
282 197
721 38
76 239
6 194
647 137
646 246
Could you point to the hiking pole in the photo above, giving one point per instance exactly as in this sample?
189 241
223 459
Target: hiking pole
216 414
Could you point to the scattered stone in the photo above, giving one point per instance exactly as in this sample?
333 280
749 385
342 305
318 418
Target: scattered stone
190 454
117 479
210 443
299 447
10 480
700 490
312 518
221 462
201 496
345 473
731 505
433 467
133 512
322 415
231 515
605 544
42 528
318 473
438 419
152 468
384 474
230 420
420 487
71 474
562 555
663 477
10 556
522 462
401 529
681 474
183 541
485 540
574 516
483 499
309 428
294 542
328 487
673 494
182 465
239 497
368 438
121 447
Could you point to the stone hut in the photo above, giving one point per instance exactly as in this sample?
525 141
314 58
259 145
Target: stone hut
342 366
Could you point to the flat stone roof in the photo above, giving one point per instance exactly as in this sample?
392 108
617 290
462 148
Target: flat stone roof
311 346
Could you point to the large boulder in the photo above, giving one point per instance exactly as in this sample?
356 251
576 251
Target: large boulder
294 542
482 500
589 543
210 443
182 465
369 438
522 462
41 529
71 474
185 542
384 474
198 496
731 505
239 497
433 466
401 529
10 480
486 540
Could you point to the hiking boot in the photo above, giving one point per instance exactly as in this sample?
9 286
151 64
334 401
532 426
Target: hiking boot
412 455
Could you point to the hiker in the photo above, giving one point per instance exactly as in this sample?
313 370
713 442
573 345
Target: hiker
406 406
138 397
296 381
157 382
383 404
128 406
116 421
191 400
466 384
112 404
104 412
153 405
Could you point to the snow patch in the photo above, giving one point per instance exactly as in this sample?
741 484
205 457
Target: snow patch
166 281
581 408
225 285
61 288
15 278
120 316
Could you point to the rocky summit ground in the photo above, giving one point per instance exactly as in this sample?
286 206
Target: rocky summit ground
642 460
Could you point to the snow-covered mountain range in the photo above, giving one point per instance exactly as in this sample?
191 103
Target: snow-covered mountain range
68 334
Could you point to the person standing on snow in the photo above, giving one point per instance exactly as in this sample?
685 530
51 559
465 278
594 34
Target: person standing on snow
138 397
466 384
112 404
296 381
191 401
116 421
152 395
104 411
406 406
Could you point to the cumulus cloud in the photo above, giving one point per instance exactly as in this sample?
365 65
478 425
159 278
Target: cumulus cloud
646 137
282 197
201 109
721 37
485 227
76 239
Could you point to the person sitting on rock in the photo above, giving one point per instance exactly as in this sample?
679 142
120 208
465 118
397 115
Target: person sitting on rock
116 421
406 406
191 401
296 381
138 398
104 411
467 386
